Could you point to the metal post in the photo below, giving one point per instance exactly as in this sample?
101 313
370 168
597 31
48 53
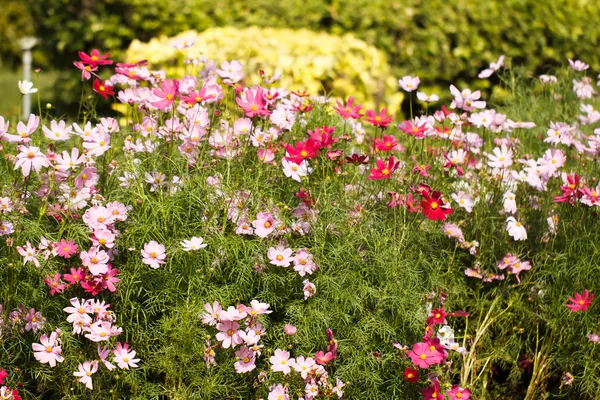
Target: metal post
27 43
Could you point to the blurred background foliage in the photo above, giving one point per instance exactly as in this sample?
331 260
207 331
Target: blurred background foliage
437 40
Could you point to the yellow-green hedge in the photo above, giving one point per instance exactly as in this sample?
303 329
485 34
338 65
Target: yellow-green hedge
321 63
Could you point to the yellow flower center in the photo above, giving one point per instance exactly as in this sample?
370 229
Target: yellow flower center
434 205
48 349
423 356
385 171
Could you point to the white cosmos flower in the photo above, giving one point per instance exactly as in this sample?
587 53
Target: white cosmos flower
26 87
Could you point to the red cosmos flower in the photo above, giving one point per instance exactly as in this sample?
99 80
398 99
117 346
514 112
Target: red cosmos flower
357 159
323 135
571 191
3 375
104 89
95 58
301 94
382 120
349 110
581 303
418 131
411 374
449 164
304 195
386 143
303 150
437 316
433 206
302 108
383 170
433 392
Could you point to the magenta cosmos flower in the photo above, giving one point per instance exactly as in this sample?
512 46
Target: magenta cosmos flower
581 303
154 254
169 89
348 111
422 356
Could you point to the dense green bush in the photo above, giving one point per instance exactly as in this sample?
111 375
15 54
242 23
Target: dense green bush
437 39
440 41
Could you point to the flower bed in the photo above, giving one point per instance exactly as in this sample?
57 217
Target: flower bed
227 238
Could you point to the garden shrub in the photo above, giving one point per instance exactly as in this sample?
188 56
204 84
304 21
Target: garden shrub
341 66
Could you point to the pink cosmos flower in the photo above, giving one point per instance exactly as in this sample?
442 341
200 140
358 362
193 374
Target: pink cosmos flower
578 65
255 103
124 356
278 392
228 334
281 362
309 289
349 110
67 249
30 158
34 320
86 70
303 262
502 157
58 131
322 358
289 330
581 303
422 356
168 92
304 365
466 99
264 224
153 254
246 359
257 308
95 260
280 256
103 352
29 253
54 283
409 83
85 372
495 66
23 131
458 393
101 331
48 350
213 313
